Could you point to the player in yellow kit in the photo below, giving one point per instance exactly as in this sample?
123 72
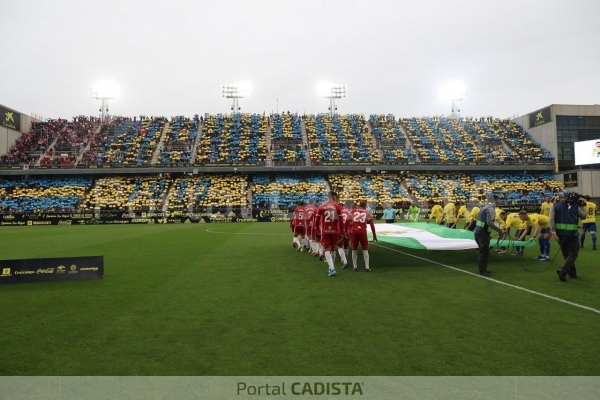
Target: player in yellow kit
545 210
472 218
513 220
437 212
541 223
589 223
450 215
546 206
461 213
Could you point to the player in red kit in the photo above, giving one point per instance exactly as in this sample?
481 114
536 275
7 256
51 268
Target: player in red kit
346 216
309 211
298 224
360 218
330 225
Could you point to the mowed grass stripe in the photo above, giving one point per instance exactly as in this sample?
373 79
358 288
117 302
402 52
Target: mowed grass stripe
178 300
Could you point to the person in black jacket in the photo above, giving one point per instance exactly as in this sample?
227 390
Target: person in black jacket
564 218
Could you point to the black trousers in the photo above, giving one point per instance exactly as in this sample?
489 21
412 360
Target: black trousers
483 242
569 247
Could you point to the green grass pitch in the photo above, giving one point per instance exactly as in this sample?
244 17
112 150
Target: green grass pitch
236 299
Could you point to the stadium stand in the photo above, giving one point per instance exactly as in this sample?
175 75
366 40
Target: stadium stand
376 190
178 142
229 140
44 194
341 139
391 140
31 145
284 191
287 140
217 140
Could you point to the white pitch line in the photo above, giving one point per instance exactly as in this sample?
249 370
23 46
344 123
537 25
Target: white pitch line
496 281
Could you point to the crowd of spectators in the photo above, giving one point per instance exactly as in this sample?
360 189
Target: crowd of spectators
233 139
267 191
241 139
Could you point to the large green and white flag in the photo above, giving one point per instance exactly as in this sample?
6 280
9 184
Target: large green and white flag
431 237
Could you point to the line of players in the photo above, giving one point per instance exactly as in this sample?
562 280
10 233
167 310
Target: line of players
523 221
329 229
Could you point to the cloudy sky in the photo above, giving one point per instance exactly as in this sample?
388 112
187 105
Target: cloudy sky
170 57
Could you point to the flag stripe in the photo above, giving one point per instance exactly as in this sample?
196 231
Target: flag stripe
433 237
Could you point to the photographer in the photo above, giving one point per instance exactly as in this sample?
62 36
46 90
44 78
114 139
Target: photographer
564 227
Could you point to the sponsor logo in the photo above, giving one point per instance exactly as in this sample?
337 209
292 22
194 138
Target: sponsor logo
60 269
45 271
73 269
6 272
9 217
25 272
61 222
9 120
88 269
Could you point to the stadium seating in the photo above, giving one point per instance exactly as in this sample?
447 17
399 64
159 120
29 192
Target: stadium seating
287 140
376 190
139 193
44 194
340 139
31 145
285 191
229 140
178 142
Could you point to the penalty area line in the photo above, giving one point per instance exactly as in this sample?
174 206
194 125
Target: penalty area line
495 280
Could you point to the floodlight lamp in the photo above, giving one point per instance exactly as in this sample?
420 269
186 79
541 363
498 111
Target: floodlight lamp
452 91
243 88
105 90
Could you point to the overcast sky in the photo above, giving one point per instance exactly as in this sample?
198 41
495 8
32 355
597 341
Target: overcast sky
170 57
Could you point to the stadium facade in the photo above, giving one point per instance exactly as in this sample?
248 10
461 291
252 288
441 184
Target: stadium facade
556 127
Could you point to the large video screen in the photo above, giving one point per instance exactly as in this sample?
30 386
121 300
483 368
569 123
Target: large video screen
587 152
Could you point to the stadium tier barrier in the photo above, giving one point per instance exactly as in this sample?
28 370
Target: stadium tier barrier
202 216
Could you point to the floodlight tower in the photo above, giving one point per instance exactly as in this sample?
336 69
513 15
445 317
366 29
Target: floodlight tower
331 92
453 92
105 90
236 91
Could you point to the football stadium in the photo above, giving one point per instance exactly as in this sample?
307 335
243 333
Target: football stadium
183 246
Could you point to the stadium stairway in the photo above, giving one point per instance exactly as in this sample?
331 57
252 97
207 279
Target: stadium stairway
161 143
410 195
194 151
375 143
87 146
269 158
165 200
305 142
50 148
